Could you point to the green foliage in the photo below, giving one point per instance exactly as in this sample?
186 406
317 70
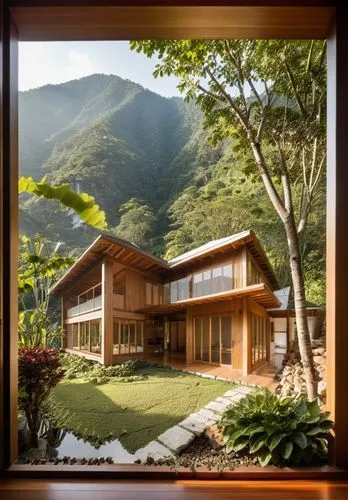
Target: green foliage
94 372
136 223
83 204
279 431
35 327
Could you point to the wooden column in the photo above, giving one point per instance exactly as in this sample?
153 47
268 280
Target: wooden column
107 311
9 235
64 306
337 235
189 336
246 337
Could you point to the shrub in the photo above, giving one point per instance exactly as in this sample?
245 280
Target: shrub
77 366
39 371
279 431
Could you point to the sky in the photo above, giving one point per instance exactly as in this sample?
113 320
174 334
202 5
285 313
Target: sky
41 63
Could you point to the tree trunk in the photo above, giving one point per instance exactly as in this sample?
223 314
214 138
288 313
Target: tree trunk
304 341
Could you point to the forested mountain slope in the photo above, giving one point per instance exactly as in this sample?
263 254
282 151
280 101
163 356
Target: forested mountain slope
149 164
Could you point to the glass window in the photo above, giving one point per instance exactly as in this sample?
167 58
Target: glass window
124 338
75 332
197 288
207 282
226 340
132 343
215 339
166 293
95 333
139 338
227 277
198 339
116 340
183 289
174 291
217 283
84 336
206 338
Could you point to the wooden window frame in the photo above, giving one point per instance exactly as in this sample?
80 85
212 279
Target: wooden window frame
61 20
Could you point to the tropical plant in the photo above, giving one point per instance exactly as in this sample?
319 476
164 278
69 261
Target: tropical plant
278 431
83 204
270 98
39 370
40 263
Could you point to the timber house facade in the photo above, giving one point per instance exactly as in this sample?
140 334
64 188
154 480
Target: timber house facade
213 304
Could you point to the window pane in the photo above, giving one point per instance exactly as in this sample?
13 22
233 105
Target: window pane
207 282
217 283
84 336
226 340
198 340
95 336
166 293
183 289
173 291
132 338
227 277
206 339
115 336
197 288
124 347
75 335
155 298
139 326
215 339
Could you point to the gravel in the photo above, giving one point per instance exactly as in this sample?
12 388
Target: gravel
201 454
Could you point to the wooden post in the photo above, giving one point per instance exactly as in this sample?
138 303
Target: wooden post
337 235
64 340
107 311
8 236
246 337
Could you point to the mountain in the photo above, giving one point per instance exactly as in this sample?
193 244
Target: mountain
113 139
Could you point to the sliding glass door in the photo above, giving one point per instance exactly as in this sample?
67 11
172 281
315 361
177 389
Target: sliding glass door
213 339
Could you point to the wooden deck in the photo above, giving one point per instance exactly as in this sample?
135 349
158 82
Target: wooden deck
264 376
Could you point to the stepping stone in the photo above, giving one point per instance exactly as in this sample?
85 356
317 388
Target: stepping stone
245 390
154 449
207 375
223 400
216 406
194 424
200 418
230 393
209 414
176 438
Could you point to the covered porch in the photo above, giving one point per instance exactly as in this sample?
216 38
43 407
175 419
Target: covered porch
264 376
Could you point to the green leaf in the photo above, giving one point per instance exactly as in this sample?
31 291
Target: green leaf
257 443
286 449
253 429
300 439
265 458
314 431
83 204
275 441
241 443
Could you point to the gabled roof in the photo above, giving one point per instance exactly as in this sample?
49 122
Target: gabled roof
285 296
128 254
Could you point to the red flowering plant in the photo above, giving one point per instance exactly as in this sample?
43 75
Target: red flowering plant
39 371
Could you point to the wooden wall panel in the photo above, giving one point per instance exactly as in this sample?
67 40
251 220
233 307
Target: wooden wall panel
189 335
246 338
255 308
134 290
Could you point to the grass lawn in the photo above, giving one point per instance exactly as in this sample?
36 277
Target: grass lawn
134 412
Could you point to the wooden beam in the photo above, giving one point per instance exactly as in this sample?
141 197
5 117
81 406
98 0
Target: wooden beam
107 311
337 235
9 235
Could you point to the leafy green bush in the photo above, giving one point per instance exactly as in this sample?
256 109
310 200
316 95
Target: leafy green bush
279 431
96 373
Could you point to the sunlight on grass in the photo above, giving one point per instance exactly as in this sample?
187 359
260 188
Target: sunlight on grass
136 412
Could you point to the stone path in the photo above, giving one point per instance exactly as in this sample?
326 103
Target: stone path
179 437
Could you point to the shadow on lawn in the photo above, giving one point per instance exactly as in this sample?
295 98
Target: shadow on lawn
90 414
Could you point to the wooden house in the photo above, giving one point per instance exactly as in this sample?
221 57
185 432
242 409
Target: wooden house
208 305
